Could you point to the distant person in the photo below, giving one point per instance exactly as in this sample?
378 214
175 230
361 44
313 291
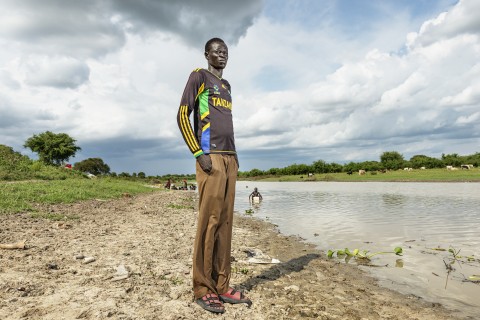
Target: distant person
168 185
255 196
212 143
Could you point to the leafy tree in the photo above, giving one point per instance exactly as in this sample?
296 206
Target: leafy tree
371 165
320 166
52 148
392 160
453 159
141 175
94 166
418 161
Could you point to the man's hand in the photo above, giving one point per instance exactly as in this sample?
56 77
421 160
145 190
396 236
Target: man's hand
205 163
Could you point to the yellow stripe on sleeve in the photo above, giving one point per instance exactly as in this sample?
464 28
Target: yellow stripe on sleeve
187 129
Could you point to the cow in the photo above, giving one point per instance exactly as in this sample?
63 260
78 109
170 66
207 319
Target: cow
467 166
361 172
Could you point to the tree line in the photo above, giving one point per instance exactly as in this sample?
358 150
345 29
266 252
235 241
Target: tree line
389 160
55 149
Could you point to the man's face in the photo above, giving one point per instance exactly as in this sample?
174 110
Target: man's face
217 56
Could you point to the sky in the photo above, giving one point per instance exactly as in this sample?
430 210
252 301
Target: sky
331 80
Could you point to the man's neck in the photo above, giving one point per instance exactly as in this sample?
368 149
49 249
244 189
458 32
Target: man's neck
217 72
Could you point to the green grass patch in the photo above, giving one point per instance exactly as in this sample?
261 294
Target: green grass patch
428 175
23 195
179 206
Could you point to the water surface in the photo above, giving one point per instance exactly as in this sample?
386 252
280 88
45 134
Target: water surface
378 216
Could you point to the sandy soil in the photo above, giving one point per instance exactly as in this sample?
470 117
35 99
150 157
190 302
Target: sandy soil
142 248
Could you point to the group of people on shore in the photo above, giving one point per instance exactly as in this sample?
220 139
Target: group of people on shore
171 186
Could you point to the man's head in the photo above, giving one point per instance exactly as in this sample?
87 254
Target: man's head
216 53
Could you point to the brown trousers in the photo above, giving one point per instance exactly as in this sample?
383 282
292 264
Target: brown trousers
211 252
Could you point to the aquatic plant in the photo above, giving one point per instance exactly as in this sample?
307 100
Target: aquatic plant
249 212
362 254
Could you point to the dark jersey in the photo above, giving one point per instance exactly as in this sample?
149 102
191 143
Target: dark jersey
209 98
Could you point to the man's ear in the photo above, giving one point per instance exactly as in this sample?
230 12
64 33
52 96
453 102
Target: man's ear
206 55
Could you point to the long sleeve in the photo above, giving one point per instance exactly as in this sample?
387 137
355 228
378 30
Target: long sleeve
188 104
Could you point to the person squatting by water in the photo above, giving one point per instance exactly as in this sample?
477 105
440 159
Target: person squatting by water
211 141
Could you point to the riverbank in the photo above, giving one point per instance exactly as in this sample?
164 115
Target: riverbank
413 175
141 249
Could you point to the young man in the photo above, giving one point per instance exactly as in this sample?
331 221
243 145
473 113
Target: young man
212 142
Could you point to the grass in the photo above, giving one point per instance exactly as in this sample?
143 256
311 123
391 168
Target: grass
429 175
24 195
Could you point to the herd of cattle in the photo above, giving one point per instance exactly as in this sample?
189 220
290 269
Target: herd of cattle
463 167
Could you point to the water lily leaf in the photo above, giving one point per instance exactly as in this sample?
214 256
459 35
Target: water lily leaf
347 252
398 251
340 253
330 253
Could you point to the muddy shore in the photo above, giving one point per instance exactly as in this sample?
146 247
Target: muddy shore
141 249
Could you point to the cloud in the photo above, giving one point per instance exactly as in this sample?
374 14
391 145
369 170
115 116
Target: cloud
58 72
74 28
461 19
194 21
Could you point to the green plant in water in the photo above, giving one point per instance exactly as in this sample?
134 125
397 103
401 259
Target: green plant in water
249 212
361 254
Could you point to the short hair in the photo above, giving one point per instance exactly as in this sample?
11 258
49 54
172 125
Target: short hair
211 41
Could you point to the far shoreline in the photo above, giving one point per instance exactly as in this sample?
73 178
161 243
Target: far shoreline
416 175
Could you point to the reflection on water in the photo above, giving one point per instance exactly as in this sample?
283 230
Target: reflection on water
380 216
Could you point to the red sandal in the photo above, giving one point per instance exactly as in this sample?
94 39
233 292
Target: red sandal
211 302
229 297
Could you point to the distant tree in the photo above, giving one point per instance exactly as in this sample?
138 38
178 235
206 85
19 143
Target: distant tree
297 169
473 159
371 165
141 175
418 161
255 173
273 171
452 159
52 148
94 166
320 166
392 160
124 175
351 167
335 167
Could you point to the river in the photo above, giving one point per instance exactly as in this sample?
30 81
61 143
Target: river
425 219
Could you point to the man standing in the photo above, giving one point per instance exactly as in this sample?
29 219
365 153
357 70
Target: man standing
212 142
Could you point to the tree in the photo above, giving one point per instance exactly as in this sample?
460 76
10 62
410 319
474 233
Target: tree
94 166
52 148
392 160
420 160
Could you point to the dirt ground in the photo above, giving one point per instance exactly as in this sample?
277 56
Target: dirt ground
142 249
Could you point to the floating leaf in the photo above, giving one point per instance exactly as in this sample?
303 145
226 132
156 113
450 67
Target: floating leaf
340 253
475 277
398 251
355 252
330 253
